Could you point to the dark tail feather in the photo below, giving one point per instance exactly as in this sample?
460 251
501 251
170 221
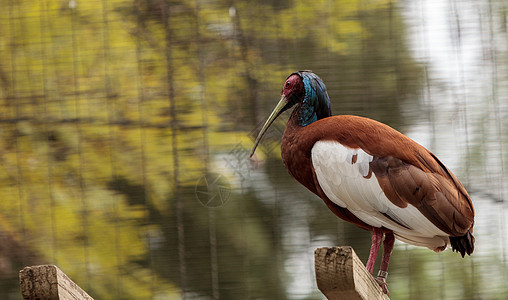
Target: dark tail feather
463 244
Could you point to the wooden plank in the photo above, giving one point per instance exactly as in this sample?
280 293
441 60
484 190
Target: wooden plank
49 282
340 274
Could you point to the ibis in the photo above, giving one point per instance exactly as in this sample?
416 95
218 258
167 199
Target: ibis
371 175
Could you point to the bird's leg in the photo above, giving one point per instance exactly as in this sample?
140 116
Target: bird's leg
377 237
387 252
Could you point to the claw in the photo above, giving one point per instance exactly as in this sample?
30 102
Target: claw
381 279
383 285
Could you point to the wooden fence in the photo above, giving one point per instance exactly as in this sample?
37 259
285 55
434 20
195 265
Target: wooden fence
340 274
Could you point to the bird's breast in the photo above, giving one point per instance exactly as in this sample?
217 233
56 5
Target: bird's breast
296 157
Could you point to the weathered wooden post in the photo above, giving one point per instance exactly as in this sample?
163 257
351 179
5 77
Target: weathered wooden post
48 282
340 274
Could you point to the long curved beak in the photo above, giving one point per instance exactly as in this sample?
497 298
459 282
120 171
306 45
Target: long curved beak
275 113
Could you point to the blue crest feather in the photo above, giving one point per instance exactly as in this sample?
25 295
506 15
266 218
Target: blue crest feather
316 104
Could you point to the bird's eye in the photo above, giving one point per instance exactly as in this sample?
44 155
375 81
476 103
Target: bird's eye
287 85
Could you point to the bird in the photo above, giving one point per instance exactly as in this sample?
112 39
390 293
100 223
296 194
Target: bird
371 175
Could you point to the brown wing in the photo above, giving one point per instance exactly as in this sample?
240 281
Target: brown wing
436 193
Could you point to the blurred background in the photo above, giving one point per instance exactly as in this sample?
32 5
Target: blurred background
125 128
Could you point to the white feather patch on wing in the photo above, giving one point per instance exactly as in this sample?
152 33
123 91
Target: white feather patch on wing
342 174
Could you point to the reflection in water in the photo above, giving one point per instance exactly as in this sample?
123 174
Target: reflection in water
114 115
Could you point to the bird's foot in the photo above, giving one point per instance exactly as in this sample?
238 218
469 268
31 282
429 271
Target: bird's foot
381 279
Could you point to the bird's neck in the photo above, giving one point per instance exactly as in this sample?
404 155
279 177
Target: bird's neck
295 149
305 115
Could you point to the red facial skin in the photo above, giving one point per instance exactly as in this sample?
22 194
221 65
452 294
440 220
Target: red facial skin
293 89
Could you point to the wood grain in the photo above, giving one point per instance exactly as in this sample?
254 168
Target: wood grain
340 274
49 282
